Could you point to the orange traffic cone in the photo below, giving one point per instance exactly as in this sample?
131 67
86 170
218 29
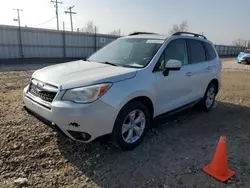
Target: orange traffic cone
218 167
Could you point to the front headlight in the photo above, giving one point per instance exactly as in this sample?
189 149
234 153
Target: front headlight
86 94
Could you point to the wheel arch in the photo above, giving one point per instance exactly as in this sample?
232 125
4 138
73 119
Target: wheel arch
144 99
216 83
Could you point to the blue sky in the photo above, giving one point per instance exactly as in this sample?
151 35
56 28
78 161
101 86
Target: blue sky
222 21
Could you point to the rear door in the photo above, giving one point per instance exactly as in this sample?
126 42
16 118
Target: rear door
213 67
199 74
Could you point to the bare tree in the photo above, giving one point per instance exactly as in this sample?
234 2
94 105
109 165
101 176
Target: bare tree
115 32
90 27
241 43
183 26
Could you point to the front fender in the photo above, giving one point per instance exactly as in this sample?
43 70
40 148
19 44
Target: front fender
122 92
135 95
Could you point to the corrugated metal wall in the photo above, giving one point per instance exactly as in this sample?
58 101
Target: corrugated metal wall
44 43
9 42
228 50
41 43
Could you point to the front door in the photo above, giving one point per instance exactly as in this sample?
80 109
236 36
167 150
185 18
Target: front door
173 90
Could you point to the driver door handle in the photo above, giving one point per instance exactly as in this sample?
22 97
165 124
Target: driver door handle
209 67
189 74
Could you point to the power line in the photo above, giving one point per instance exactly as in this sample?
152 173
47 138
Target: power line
70 13
45 21
56 6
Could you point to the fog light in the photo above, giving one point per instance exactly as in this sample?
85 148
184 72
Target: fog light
85 136
81 136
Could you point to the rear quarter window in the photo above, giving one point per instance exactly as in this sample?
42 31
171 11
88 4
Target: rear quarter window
196 51
209 51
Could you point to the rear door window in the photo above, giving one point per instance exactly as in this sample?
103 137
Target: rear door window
196 51
209 51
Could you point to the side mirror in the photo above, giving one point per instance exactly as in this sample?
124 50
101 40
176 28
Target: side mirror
171 64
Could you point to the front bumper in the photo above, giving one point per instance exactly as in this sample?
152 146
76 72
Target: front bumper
244 59
95 119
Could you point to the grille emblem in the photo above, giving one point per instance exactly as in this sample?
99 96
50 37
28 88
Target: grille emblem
38 89
39 86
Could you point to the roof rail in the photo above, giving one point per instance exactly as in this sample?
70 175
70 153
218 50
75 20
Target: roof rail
189 33
140 33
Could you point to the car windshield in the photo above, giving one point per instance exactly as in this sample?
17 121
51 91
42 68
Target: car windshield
128 52
247 51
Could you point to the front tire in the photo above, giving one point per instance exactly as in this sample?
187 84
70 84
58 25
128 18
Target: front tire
209 97
131 125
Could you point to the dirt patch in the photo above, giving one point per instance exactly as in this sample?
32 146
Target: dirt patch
172 154
232 65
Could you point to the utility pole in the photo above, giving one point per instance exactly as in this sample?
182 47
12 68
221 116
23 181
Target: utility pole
56 5
18 16
70 13
19 29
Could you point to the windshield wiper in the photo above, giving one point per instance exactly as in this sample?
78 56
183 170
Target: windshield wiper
109 63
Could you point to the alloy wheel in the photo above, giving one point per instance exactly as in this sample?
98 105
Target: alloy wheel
133 126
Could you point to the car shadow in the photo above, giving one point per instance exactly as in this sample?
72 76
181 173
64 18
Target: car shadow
172 154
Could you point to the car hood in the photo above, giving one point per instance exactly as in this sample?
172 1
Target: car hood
82 73
244 54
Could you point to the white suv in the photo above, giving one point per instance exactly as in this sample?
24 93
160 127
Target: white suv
120 88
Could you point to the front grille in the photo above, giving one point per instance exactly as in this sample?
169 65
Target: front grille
42 94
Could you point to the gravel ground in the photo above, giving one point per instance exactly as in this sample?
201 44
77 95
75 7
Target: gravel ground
172 154
231 64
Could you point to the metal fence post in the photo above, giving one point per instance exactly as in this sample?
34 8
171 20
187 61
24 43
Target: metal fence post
95 40
20 42
64 42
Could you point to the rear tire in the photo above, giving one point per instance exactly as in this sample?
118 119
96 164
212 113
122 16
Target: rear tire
209 98
131 125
